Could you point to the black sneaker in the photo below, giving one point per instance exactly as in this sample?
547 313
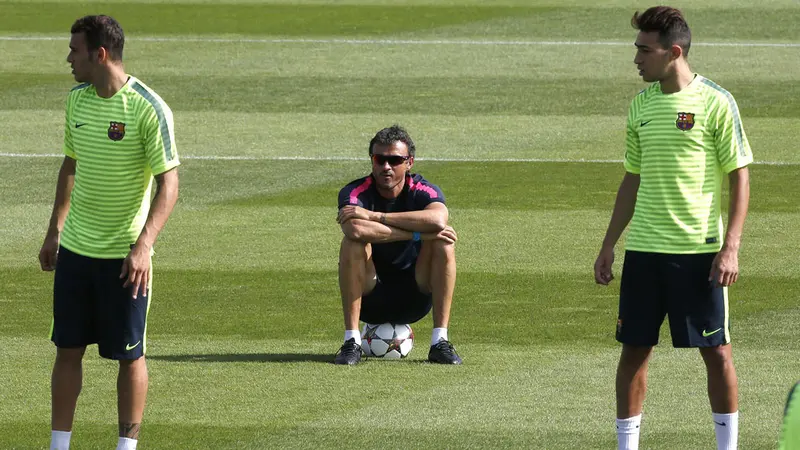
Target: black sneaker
349 354
443 353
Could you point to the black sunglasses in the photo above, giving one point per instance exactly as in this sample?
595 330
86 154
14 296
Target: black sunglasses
393 160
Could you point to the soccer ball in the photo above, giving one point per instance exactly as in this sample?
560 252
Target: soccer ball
388 340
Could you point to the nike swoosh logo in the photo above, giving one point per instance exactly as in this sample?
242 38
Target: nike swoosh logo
130 347
78 125
707 334
645 123
722 424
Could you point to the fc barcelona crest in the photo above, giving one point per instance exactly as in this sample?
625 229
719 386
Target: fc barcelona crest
685 121
116 131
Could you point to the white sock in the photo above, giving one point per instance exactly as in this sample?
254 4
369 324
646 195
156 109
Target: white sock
628 433
352 334
59 440
726 427
438 335
127 444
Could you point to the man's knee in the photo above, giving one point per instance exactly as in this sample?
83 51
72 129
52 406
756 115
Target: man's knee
717 358
70 355
444 249
354 250
132 365
634 356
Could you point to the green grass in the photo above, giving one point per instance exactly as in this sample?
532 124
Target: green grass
246 316
444 20
409 95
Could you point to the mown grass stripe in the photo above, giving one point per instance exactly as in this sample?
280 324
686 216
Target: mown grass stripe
400 41
349 158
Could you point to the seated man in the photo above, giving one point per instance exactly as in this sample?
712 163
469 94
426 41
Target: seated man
397 259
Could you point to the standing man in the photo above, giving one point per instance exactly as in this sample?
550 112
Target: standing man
119 136
684 134
397 259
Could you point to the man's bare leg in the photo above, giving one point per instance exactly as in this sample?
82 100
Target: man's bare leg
436 273
631 389
356 276
132 383
65 387
723 394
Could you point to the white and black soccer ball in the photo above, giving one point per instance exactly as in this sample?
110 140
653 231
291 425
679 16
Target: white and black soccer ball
387 340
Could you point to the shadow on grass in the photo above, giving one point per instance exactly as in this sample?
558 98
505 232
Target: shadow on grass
246 357
268 358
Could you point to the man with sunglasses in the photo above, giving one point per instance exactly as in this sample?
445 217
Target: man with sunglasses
397 259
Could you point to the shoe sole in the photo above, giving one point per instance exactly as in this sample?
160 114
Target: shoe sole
449 363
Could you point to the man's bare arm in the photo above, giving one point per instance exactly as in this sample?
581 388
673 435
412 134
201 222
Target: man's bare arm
432 219
623 209
163 204
136 266
66 180
373 232
725 268
623 212
739 203
377 233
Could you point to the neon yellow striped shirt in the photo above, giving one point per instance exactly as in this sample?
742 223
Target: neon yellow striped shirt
118 143
682 145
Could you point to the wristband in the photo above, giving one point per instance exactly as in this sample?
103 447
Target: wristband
416 236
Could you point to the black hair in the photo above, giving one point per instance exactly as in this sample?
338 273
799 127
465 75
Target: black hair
668 22
390 135
101 31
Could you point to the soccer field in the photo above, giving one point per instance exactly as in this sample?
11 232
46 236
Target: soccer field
518 112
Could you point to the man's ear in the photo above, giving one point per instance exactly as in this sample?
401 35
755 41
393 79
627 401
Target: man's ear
102 55
675 52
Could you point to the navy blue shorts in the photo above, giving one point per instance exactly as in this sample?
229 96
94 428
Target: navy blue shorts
91 306
395 299
655 285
